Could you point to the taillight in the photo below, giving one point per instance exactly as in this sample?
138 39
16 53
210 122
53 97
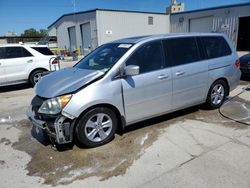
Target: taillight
237 63
55 61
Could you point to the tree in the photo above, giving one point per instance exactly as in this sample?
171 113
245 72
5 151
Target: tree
32 35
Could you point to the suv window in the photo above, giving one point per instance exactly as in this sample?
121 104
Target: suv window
15 52
183 50
148 57
215 46
43 50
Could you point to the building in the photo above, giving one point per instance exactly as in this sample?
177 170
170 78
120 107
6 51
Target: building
175 7
92 28
234 20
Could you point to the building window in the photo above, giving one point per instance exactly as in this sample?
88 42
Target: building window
150 20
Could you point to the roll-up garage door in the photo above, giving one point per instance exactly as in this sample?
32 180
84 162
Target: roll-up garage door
202 25
86 35
72 38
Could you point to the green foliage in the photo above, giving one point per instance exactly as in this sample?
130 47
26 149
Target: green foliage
32 35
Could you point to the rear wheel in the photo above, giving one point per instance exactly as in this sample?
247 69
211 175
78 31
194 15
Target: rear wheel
96 127
217 94
35 76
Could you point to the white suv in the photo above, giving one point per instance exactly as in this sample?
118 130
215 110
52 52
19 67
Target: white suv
20 63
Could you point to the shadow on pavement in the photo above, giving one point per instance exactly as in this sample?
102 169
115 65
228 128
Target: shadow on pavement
14 87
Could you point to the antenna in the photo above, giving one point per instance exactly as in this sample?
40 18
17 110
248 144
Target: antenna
74 5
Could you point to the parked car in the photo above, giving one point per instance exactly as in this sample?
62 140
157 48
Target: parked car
245 65
133 79
20 63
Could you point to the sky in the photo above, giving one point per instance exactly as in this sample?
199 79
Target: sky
18 15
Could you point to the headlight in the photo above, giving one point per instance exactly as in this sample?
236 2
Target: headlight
54 105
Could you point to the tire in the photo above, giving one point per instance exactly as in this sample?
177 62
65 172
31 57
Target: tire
97 127
35 76
216 94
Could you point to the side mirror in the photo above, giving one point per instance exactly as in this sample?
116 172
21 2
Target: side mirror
131 70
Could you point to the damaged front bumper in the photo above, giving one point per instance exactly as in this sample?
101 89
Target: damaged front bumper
61 129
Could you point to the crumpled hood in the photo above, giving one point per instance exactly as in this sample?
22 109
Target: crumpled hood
65 81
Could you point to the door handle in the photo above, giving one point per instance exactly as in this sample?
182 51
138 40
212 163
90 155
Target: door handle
179 73
30 61
162 77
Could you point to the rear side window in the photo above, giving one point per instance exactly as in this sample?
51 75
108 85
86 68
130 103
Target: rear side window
15 52
148 57
215 47
182 50
43 50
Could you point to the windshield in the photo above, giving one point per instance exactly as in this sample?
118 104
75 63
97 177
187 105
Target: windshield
104 57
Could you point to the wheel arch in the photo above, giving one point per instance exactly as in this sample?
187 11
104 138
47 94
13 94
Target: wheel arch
39 68
120 118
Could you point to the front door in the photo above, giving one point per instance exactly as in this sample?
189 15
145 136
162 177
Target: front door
149 93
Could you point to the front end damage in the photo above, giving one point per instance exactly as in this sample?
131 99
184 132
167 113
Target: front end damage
58 127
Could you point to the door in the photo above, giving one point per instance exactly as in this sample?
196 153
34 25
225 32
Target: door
243 42
86 35
202 25
16 63
150 92
189 72
72 38
2 72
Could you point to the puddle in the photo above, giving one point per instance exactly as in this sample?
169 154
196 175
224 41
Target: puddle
237 110
110 160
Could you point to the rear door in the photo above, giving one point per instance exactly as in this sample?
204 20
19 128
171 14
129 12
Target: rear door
150 92
189 72
16 63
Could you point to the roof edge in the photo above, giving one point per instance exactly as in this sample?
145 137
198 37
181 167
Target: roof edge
212 8
108 10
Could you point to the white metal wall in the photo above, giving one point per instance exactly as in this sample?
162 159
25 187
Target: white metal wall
62 25
112 25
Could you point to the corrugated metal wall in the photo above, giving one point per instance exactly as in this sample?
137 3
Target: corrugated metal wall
180 23
112 25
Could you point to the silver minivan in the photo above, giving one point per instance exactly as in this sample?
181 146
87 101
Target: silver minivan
130 80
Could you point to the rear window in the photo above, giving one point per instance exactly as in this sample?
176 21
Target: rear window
215 47
43 50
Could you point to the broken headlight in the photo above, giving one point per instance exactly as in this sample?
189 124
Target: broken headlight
55 105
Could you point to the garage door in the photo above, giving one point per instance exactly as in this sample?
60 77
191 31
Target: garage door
86 35
202 25
72 38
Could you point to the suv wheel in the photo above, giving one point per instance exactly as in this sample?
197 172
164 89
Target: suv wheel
35 76
217 94
96 127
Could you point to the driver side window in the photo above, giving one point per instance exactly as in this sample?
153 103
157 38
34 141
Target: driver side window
148 57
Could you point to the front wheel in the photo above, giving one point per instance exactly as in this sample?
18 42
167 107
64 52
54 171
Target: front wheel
217 94
96 127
